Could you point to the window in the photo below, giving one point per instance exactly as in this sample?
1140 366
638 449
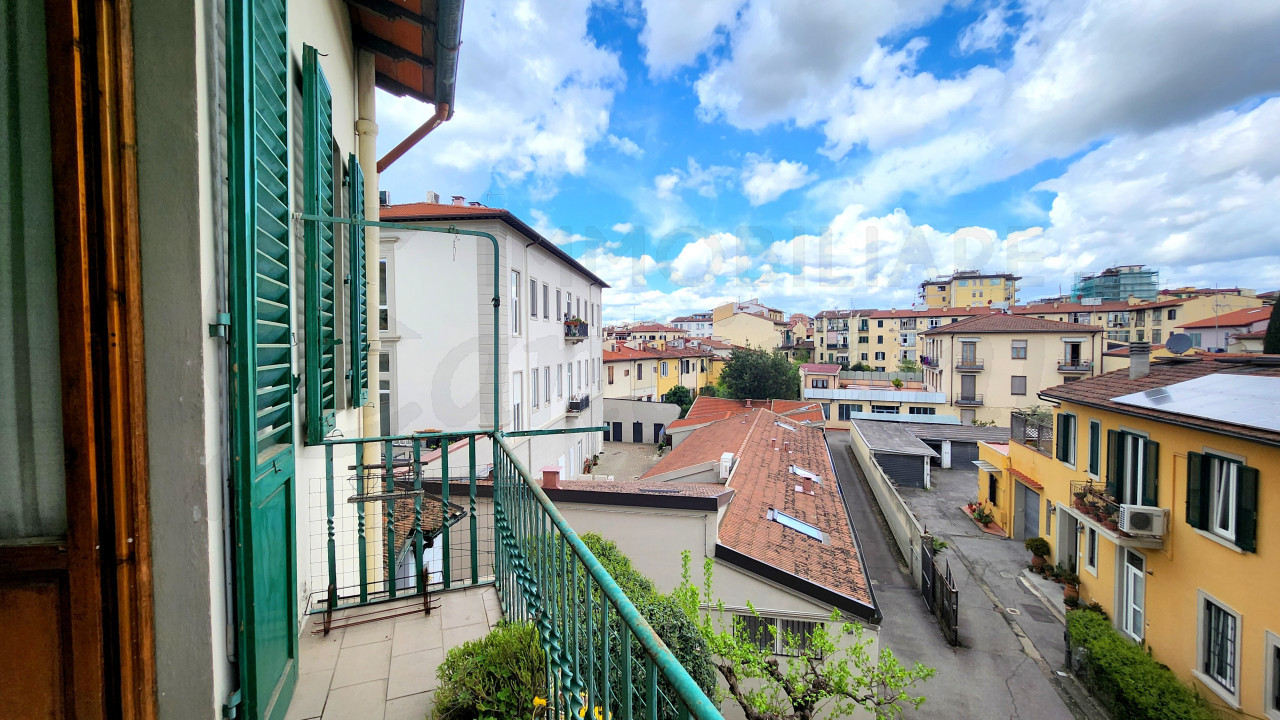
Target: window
1157 336
1218 648
533 389
846 411
880 356
610 374
639 371
1132 464
796 524
864 356
775 635
993 488
515 302
879 339
1091 549
568 305
884 409
818 383
879 323
560 380
320 333
384 310
922 411
570 378
546 304
517 401
384 394
533 298
664 368
1222 498
559 306
964 283
1173 313
1019 350
1273 676
1133 599
1195 339
1018 384
1067 438
579 374
546 383
1095 446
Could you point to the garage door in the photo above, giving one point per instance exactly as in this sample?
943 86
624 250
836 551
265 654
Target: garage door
1029 502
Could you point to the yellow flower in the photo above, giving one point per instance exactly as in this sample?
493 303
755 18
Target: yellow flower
539 702
582 711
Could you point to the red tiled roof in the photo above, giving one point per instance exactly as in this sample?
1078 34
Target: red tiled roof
438 212
655 327
1025 479
1099 390
1124 351
707 409
626 353
1003 323
691 318
1250 335
934 312
705 444
1109 306
820 368
1238 318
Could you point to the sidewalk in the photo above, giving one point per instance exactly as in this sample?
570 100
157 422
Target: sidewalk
1000 670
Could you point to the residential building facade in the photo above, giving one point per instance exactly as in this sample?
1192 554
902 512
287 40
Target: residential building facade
549 329
846 396
1216 334
1165 510
970 288
695 325
631 374
746 329
991 364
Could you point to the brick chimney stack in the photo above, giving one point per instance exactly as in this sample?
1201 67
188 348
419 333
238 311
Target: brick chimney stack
551 477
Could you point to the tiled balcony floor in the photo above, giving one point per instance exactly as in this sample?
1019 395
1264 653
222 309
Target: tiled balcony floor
386 670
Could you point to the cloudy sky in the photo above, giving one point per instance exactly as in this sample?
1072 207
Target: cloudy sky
822 154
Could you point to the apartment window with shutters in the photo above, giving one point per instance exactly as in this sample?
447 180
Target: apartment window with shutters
1222 499
1132 468
1020 352
533 298
515 302
880 356
1066 439
1218 648
546 301
1018 384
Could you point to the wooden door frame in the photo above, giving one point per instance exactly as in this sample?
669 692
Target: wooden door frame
95 194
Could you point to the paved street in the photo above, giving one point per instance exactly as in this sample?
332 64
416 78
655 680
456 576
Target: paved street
1006 666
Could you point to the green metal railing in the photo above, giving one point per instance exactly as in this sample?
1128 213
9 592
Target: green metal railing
397 529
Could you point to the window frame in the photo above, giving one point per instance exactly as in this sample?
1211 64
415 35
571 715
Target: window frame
1067 441
1271 675
546 301
922 411
546 381
514 291
1095 448
517 401
1230 694
533 297
1091 549
1013 390
1014 347
1127 571
1217 499
533 390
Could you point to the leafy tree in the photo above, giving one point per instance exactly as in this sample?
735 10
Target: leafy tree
681 396
760 374
817 678
710 391
860 367
907 365
802 356
1271 341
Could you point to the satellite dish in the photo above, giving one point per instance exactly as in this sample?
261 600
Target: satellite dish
1178 343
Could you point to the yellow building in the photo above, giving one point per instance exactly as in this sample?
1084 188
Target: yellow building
750 330
631 374
1136 320
688 367
970 288
991 364
1161 490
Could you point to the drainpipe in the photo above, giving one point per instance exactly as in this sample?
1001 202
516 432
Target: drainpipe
442 114
367 151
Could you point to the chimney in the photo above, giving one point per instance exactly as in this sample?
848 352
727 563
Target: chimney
786 445
773 443
551 477
433 197
748 403
459 200
1139 360
806 484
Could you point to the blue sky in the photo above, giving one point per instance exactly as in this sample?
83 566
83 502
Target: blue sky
819 154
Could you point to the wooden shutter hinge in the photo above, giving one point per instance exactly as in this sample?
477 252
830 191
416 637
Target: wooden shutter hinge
221 326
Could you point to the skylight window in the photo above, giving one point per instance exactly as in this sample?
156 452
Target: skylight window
797 470
781 424
798 525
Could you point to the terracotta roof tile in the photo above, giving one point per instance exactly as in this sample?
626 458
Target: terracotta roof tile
820 368
1003 323
1239 318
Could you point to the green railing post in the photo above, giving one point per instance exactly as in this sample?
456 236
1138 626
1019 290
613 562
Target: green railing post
389 510
475 550
627 693
332 543
361 542
446 564
419 581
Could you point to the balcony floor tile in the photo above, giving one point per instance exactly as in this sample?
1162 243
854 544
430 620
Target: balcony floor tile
366 701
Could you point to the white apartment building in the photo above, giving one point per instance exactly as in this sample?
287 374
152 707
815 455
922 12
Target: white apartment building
436 333
696 325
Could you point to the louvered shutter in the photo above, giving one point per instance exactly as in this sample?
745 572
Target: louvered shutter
359 290
1197 491
1064 439
321 320
1115 455
1247 509
1151 482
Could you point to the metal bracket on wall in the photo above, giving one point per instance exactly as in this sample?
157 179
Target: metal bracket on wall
220 326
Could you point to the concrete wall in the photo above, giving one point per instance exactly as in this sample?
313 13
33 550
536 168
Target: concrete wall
903 525
647 413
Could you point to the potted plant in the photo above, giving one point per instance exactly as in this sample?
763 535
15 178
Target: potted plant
1039 549
1079 503
1070 586
983 516
897 383
1109 521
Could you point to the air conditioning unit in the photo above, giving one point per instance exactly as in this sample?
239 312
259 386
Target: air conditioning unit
1142 520
726 465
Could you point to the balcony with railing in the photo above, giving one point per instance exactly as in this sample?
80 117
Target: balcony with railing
969 363
929 362
1093 503
576 331
578 404
1074 365
444 548
969 400
1033 431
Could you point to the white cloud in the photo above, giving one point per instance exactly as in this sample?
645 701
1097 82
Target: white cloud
623 228
525 109
764 181
987 32
706 181
676 33
625 145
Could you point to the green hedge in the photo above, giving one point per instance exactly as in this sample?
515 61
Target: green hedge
1126 679
667 618
497 676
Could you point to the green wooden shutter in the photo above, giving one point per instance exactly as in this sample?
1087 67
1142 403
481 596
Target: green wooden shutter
1247 509
1197 491
359 290
1151 483
1095 449
1064 441
1115 454
321 321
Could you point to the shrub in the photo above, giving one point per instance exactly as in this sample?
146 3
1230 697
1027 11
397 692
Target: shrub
666 616
1125 678
497 676
1037 546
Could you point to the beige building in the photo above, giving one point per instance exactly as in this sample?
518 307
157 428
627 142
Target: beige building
846 396
753 306
992 364
750 330
1136 320
970 288
631 374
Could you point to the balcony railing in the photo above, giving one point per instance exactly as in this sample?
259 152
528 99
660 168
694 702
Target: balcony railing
414 524
579 404
968 363
969 400
1032 431
1091 500
929 362
1074 365
576 331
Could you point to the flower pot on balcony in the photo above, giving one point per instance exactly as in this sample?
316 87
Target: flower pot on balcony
1070 593
1110 523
